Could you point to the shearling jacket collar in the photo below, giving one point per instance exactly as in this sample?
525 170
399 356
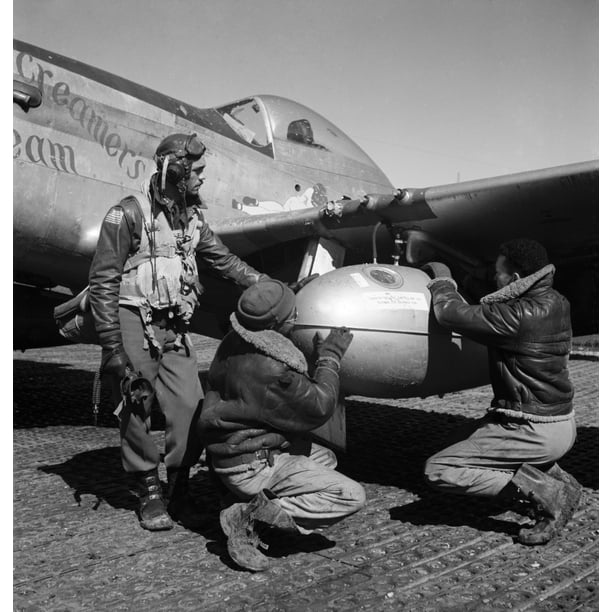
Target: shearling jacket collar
518 287
273 344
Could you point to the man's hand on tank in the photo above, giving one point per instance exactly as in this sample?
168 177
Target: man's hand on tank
336 344
435 269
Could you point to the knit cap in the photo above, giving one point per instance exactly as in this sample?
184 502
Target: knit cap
265 305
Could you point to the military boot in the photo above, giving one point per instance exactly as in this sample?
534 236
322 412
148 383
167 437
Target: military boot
181 506
238 524
152 510
270 512
558 473
554 501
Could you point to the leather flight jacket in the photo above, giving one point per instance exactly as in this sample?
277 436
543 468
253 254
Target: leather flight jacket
120 239
256 401
527 329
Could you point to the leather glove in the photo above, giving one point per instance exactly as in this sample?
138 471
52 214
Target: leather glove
114 358
435 269
297 285
116 362
336 343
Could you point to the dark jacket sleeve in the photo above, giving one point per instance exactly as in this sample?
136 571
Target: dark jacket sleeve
115 243
485 323
297 403
217 257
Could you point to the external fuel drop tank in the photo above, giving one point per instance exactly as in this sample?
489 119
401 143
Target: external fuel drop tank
398 348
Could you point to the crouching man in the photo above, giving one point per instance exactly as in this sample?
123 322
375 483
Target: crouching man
512 452
258 411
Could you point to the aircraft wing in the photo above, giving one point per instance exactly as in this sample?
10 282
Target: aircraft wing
557 206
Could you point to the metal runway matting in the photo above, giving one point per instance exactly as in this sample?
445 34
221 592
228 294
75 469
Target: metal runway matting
78 545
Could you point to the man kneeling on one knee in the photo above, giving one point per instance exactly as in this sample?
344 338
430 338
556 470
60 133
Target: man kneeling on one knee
257 413
511 453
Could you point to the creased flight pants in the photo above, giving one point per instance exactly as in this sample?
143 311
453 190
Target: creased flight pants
309 488
177 390
492 449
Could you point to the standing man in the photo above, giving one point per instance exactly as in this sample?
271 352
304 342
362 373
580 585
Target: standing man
144 289
512 452
255 421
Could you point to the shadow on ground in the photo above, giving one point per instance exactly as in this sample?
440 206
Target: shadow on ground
54 394
484 515
389 446
99 473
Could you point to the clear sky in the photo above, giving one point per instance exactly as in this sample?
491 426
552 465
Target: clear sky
433 90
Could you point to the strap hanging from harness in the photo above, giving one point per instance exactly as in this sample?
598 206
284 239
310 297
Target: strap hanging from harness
95 395
183 339
150 341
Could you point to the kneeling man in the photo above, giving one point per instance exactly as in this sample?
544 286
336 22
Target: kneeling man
257 413
512 452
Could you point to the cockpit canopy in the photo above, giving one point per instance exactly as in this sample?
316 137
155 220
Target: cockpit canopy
262 120
247 121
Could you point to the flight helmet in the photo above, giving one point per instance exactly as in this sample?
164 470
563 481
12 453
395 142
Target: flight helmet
175 155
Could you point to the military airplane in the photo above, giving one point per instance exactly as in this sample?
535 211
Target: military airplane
292 194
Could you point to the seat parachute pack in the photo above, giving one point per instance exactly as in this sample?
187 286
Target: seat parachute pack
75 321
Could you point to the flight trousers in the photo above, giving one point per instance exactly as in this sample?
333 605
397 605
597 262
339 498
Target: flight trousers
308 487
178 393
486 454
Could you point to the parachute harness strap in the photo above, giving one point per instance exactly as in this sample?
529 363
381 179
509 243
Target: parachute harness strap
150 341
95 395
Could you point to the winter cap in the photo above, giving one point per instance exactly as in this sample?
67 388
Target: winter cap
265 305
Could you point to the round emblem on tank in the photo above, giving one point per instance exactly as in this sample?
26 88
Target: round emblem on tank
385 277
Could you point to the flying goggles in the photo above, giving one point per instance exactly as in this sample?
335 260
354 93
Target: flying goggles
192 149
